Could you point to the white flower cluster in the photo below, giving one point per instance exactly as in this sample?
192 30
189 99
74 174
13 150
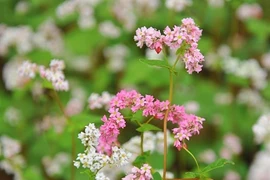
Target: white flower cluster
125 11
246 11
116 56
178 5
261 130
54 166
216 3
18 37
260 166
10 147
12 115
266 61
85 9
57 122
231 146
13 161
93 160
249 69
108 29
11 77
97 101
54 74
28 69
253 99
208 156
48 37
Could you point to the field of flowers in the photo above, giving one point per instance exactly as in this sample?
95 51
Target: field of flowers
134 89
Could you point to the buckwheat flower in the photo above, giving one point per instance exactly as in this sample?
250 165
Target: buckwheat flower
10 147
28 69
54 166
101 176
108 29
178 5
261 129
143 173
12 115
232 142
22 7
74 106
246 11
208 156
260 166
192 106
116 56
49 37
61 85
251 98
97 101
232 175
266 61
224 98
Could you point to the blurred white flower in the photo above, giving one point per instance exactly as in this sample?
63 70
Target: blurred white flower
10 146
216 3
22 7
97 101
108 29
207 156
246 11
261 129
192 107
49 37
223 98
260 166
178 5
12 115
266 61
232 175
54 166
116 57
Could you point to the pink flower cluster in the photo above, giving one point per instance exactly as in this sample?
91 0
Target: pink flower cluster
54 74
188 124
186 34
144 173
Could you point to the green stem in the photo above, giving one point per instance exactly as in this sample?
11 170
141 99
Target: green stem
142 137
149 120
193 158
73 149
165 127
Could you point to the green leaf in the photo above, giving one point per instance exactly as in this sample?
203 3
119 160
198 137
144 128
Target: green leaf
182 49
192 175
148 127
141 159
217 164
154 62
157 176
137 116
47 84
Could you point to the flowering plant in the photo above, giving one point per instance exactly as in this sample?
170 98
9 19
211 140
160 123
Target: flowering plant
102 146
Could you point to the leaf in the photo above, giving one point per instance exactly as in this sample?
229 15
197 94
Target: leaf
217 164
137 116
181 51
157 176
47 84
148 127
141 159
192 175
154 62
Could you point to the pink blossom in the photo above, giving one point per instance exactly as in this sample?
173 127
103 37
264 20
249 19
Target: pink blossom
188 124
144 173
187 35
